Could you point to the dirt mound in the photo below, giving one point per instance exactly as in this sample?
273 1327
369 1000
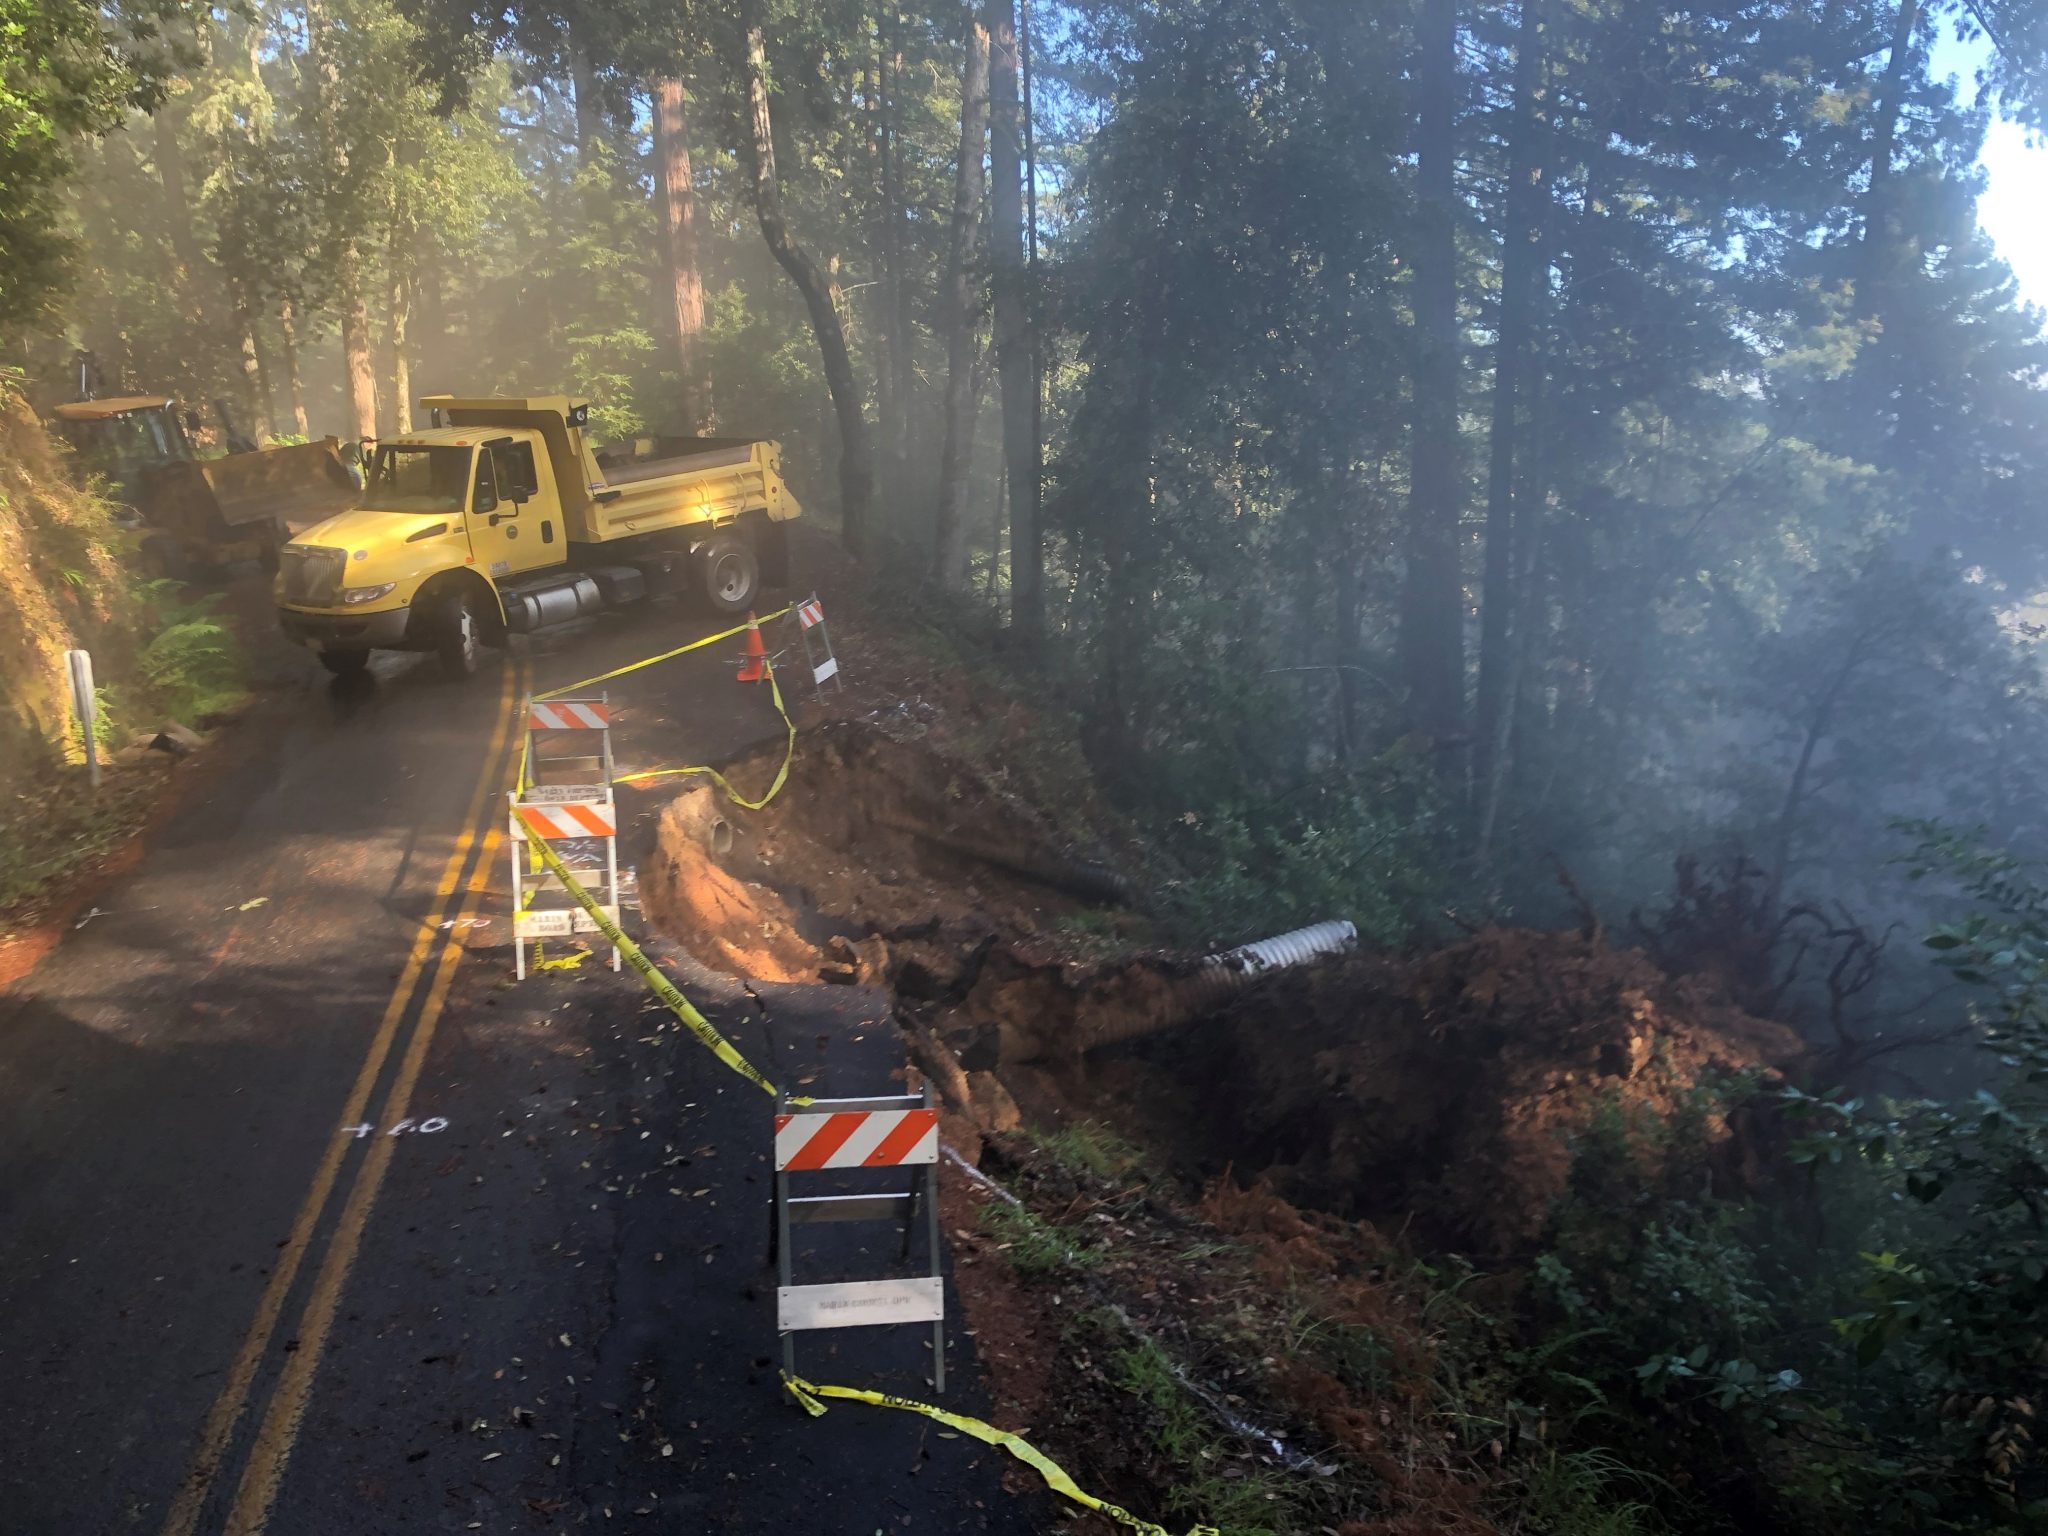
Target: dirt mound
871 836
1447 1091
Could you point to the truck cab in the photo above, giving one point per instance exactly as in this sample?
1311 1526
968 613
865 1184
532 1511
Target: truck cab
500 519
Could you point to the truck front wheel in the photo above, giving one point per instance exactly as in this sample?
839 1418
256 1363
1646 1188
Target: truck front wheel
729 573
456 638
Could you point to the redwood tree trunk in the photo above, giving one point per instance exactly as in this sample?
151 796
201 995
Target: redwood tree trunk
1432 604
288 336
401 338
856 456
255 376
170 170
1522 264
1880 234
962 310
1013 324
686 282
354 310
895 245
583 80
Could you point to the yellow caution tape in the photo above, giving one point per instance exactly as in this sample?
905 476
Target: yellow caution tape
568 962
774 688
781 774
807 1394
635 666
662 987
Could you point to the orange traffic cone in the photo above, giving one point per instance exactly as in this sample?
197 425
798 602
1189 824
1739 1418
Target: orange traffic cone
754 664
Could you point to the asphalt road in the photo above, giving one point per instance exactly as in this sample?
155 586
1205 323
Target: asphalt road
312 1221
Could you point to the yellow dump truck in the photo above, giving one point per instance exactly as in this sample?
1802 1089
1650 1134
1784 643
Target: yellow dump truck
501 519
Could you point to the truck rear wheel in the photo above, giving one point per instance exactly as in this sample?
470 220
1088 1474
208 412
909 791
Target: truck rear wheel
344 663
729 574
456 638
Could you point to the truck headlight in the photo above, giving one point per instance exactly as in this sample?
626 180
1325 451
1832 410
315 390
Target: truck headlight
352 596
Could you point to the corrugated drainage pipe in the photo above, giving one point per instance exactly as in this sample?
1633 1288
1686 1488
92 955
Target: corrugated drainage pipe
1217 978
1235 969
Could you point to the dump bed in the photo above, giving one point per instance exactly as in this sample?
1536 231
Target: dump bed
646 486
684 480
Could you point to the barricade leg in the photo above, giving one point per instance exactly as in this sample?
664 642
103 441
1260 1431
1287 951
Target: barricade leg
513 844
931 1208
783 1267
611 856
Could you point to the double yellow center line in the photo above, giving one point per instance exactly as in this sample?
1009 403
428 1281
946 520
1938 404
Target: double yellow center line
270 1453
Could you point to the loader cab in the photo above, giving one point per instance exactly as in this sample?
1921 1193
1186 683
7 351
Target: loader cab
122 440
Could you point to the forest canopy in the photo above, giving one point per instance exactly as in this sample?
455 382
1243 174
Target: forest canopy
1433 441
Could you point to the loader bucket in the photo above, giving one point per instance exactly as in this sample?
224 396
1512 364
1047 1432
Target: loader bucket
294 487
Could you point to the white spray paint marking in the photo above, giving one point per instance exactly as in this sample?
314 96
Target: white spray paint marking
428 1127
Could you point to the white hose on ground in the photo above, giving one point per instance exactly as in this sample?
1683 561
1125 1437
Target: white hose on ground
1211 1400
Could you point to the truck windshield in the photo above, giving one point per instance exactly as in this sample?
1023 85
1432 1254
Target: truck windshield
417 480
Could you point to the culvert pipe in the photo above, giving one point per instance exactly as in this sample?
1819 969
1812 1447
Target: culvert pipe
1217 978
1235 969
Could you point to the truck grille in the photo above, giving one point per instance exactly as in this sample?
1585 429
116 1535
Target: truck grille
312 575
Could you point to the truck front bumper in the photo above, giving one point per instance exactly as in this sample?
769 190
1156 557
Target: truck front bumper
384 630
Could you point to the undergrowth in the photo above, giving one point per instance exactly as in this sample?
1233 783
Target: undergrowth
1365 845
1033 1245
66 583
1213 1482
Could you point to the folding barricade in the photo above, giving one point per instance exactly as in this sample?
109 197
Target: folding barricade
896 1131
567 801
811 632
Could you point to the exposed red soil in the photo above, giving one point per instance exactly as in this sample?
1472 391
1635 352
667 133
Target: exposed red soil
871 835
1447 1092
1009 1322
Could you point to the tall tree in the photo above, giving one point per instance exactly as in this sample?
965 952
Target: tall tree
344 208
892 250
1522 265
856 454
679 219
295 379
1432 599
1013 323
962 305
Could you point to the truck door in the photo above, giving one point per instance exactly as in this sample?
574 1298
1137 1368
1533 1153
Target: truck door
511 528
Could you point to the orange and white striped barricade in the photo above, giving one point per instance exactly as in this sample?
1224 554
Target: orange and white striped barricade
816 640
583 726
827 1135
566 799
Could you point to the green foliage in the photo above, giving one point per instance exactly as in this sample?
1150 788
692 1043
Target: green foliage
1209 1485
1089 1149
1954 1314
1366 846
1032 1246
192 667
1587 1493
67 68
